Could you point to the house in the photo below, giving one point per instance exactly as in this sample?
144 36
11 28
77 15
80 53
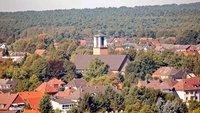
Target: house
62 103
40 52
33 98
76 83
162 85
7 84
79 93
51 87
167 72
117 63
66 93
46 88
12 102
56 83
188 89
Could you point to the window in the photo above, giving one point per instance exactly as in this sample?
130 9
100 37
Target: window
102 41
186 92
196 98
191 92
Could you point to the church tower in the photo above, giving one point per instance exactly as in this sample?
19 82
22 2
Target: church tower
100 45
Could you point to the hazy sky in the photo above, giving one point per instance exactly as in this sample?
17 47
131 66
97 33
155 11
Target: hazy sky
22 5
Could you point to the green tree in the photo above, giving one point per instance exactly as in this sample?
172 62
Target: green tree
96 68
39 68
45 105
141 68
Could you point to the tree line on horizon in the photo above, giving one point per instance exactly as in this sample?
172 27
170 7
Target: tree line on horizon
148 21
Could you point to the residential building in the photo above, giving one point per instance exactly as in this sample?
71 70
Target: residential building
51 87
7 84
188 89
65 93
76 83
62 103
12 102
46 88
162 85
167 72
33 98
56 83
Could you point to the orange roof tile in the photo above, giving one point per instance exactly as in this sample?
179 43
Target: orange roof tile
30 111
66 92
55 81
34 102
46 88
40 51
188 84
32 94
119 86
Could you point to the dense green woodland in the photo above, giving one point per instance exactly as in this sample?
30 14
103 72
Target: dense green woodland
150 21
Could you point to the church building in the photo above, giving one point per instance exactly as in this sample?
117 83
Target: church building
116 63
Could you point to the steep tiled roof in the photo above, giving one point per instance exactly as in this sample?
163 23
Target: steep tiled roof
7 99
157 84
165 71
188 84
46 88
115 62
65 93
33 98
34 102
55 81
32 94
77 83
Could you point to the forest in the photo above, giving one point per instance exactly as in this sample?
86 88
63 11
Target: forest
150 21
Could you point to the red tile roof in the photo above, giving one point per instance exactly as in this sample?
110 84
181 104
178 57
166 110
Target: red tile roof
46 88
157 84
40 51
34 102
164 71
146 39
55 81
119 86
119 40
33 94
30 111
65 93
155 42
191 84
7 99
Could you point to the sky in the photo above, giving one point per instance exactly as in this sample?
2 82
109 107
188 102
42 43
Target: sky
38 5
